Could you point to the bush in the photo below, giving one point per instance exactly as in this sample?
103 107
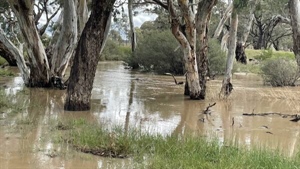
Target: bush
216 58
155 52
2 61
280 72
114 52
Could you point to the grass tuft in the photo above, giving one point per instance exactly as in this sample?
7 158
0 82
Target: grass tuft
158 152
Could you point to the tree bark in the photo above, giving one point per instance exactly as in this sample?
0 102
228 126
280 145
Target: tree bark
87 56
14 51
227 85
39 76
82 13
294 10
132 31
66 41
188 45
7 55
203 17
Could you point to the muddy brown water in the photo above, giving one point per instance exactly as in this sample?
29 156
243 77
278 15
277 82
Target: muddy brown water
151 103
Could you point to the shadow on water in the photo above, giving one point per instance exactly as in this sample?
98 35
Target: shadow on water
148 102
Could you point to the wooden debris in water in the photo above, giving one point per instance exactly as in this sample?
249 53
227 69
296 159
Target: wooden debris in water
207 110
177 83
295 117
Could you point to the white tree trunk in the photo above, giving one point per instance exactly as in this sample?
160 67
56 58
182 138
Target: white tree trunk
39 62
188 45
294 9
106 32
223 20
25 72
66 41
83 15
227 86
132 31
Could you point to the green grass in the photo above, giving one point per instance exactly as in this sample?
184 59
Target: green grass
260 55
256 54
4 72
158 152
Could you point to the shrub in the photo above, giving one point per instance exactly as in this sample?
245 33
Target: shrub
114 52
155 52
216 58
280 72
2 61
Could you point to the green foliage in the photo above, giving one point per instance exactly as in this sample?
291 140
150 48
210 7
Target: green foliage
2 61
280 72
155 52
240 4
216 58
4 72
114 52
266 54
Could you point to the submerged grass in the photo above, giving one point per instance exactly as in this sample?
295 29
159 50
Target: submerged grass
156 151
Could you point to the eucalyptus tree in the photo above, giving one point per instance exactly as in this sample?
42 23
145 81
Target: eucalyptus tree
226 84
202 22
187 40
44 67
87 55
271 23
247 17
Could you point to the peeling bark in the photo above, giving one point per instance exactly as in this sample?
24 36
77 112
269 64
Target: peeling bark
227 85
37 56
87 56
203 17
66 41
13 50
188 44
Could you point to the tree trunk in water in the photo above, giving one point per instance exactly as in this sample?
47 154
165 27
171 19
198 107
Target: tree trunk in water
188 45
203 17
294 9
132 31
40 72
66 40
227 85
87 56
14 51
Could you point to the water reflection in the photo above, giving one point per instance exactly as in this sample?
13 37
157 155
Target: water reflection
151 103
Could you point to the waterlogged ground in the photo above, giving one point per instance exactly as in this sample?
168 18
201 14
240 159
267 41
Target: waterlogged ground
148 102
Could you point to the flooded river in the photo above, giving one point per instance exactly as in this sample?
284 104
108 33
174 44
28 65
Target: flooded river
151 103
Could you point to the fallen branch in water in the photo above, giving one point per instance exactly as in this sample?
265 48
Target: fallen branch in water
177 83
295 117
207 111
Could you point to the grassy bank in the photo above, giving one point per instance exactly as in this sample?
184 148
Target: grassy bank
261 54
169 152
